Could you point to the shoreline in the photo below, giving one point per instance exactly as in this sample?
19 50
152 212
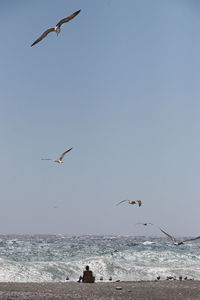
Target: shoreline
125 290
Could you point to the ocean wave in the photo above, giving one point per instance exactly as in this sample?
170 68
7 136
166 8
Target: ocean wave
148 243
53 258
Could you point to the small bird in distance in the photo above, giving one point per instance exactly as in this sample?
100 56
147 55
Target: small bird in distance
145 224
131 202
177 243
60 159
57 28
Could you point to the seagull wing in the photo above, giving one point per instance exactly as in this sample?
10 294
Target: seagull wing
43 35
139 202
196 238
47 159
170 236
121 202
61 157
65 20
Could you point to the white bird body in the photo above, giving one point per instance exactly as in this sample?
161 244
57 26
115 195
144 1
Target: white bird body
58 161
57 30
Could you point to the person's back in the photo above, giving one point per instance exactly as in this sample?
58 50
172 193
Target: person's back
88 276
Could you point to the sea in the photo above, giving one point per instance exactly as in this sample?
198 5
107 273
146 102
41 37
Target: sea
48 258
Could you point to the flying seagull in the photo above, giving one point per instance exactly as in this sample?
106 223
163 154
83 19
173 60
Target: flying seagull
57 28
60 159
177 242
145 224
131 202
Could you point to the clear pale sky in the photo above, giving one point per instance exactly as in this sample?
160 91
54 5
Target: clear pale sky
120 85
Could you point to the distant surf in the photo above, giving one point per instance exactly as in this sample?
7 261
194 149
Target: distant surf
49 258
148 243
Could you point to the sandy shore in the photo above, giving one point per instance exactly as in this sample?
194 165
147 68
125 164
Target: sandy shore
154 290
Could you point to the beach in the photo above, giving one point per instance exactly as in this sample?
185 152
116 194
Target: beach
35 267
187 289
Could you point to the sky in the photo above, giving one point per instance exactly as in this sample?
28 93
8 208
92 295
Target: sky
120 84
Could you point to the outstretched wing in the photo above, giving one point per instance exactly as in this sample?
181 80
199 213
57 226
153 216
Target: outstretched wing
170 236
196 238
139 202
43 35
65 20
47 159
61 157
121 202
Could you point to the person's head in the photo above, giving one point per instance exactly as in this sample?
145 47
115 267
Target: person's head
87 268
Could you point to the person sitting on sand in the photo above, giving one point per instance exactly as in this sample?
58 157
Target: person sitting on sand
87 276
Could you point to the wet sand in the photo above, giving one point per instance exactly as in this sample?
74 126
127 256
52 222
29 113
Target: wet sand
154 290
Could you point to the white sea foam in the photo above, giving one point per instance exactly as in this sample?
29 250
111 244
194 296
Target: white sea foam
52 258
148 243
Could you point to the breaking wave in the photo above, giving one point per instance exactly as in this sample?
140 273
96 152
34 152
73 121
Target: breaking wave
52 258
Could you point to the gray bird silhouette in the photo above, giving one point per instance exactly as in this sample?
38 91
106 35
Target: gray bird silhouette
145 224
60 159
177 243
131 202
57 28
